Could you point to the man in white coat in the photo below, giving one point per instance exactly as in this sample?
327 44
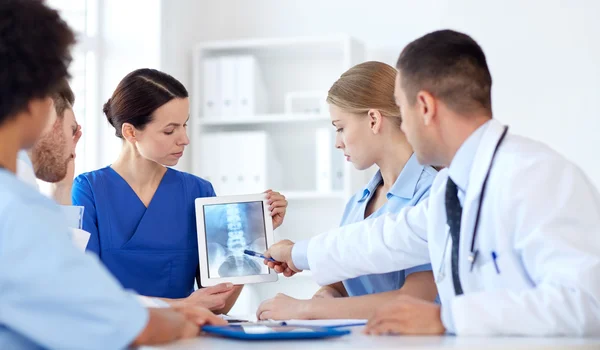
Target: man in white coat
510 226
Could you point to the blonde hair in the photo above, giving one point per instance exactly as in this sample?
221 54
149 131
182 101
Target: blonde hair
369 85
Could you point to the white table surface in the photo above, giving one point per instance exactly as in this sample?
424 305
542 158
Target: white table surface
357 340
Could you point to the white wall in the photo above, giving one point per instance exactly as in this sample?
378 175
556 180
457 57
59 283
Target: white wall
543 54
130 39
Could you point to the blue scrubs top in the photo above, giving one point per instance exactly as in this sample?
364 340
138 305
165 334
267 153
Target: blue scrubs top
52 295
153 250
411 187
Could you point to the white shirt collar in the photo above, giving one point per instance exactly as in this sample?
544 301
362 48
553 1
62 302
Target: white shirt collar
460 167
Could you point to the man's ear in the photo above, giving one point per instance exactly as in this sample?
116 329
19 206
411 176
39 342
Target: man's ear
427 107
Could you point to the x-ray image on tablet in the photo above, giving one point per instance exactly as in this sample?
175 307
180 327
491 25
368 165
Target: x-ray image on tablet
230 229
226 227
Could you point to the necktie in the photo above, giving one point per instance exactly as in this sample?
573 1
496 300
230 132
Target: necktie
453 216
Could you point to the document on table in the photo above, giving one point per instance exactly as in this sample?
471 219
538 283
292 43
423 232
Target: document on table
335 323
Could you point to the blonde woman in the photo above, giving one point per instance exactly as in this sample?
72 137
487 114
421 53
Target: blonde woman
367 122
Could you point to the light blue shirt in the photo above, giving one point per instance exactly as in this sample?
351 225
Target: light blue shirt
53 296
460 167
25 170
411 187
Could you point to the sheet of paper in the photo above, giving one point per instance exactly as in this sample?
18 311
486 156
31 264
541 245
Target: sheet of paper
79 238
73 214
327 323
318 323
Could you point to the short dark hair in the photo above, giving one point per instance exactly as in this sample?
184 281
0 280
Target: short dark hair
451 66
138 95
34 54
63 98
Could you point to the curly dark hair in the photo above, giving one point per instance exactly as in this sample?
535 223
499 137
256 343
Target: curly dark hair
34 54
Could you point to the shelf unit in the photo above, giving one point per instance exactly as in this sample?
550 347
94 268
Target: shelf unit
287 65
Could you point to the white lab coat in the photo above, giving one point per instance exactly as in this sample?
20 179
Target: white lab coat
541 215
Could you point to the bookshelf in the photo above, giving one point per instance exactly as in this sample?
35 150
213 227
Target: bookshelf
287 66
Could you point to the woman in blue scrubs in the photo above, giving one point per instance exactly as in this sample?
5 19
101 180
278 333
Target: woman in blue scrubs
368 125
140 213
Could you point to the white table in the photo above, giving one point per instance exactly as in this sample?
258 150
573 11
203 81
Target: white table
359 341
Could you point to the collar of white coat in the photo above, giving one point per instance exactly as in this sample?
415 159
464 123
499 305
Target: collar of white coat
404 186
483 158
462 163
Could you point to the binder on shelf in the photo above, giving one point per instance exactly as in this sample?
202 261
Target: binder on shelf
307 102
259 164
329 163
206 163
227 164
250 94
227 71
212 89
238 162
324 149
215 163
337 169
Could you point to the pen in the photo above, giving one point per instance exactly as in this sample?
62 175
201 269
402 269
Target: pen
268 323
251 253
346 325
495 257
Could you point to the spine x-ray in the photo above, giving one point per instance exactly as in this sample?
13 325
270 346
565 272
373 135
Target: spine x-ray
230 229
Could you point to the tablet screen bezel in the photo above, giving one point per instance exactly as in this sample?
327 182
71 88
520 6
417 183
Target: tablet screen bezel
205 281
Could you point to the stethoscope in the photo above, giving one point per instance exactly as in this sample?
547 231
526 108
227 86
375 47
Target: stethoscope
472 258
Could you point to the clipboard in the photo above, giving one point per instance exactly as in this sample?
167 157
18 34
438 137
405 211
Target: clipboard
273 332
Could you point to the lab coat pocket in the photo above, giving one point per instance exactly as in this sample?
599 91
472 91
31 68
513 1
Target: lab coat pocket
504 272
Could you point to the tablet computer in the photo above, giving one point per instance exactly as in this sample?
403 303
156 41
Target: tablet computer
263 332
226 227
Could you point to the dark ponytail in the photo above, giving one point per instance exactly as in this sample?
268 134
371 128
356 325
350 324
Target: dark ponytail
106 111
